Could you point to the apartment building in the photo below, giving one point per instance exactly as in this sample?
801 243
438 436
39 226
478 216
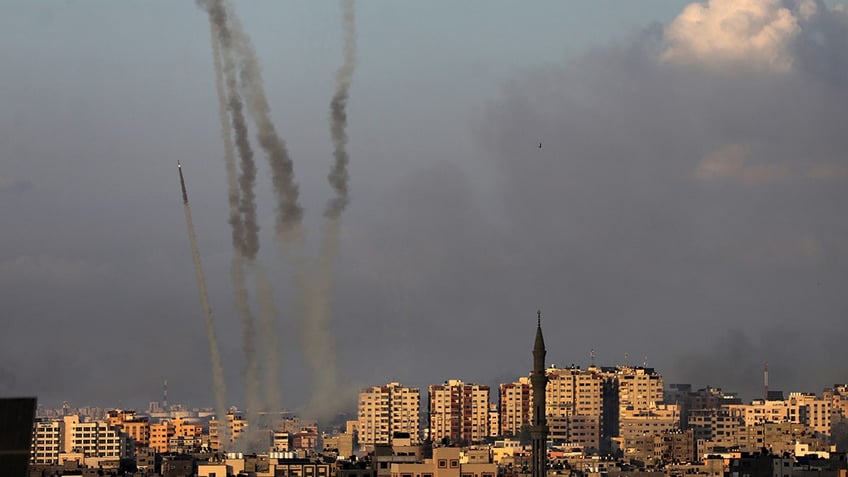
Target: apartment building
236 425
386 410
71 435
46 442
574 404
514 406
458 412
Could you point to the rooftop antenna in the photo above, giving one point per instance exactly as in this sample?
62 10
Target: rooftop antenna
765 381
645 363
592 357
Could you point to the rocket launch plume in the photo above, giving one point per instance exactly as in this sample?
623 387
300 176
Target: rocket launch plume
289 211
338 175
219 384
242 218
319 347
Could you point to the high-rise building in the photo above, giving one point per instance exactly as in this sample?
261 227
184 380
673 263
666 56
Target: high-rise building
236 424
574 405
458 412
46 442
385 410
628 391
71 435
514 406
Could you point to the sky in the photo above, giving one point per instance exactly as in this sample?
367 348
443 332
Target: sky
686 209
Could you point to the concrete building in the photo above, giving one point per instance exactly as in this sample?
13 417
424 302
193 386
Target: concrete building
160 434
458 412
446 462
385 410
135 427
514 406
236 425
574 404
77 440
662 418
46 442
494 420
813 411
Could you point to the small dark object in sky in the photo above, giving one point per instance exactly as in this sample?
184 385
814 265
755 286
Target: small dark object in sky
540 145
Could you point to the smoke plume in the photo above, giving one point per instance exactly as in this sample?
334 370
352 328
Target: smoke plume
318 343
208 322
289 211
241 195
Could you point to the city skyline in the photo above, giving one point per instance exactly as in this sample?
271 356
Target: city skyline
685 205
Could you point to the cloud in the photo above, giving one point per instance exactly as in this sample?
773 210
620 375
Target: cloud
632 217
733 163
770 35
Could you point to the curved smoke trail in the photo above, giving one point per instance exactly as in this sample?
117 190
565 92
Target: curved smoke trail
214 352
320 350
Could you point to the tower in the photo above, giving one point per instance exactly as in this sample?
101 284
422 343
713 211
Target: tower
539 428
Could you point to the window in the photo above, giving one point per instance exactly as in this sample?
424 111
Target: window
443 463
454 464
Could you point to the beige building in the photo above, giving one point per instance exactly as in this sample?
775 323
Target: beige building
494 420
137 428
514 403
236 424
446 462
640 389
46 442
160 434
813 411
574 405
83 439
661 419
458 412
386 410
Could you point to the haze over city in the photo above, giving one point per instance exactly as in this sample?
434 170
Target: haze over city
665 181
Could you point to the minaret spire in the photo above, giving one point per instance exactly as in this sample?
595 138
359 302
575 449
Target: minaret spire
539 381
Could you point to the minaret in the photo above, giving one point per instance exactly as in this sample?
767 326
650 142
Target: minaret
539 429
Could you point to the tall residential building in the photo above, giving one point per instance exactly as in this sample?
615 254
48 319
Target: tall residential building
494 420
458 412
236 424
46 442
628 390
136 427
574 405
815 412
514 406
385 410
70 434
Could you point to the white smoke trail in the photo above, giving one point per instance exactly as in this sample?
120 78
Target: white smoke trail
320 350
220 386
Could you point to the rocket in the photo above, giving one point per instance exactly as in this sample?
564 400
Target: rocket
182 182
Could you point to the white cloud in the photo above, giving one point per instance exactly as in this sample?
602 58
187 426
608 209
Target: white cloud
757 33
